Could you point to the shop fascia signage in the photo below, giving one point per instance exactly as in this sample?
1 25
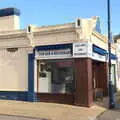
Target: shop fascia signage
99 57
54 54
84 50
81 50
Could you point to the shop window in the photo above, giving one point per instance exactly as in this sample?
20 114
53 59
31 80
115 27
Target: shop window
65 79
56 78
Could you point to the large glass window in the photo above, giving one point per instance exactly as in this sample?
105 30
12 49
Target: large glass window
56 76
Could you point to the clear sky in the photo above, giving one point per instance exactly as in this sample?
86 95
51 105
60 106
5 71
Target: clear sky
50 12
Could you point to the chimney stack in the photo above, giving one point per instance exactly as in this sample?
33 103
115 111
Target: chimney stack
9 19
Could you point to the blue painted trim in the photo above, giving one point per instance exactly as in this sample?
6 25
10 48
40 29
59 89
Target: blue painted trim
31 93
30 72
54 47
9 11
99 50
113 57
13 95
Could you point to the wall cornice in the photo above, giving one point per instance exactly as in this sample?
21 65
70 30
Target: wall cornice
12 34
103 39
54 29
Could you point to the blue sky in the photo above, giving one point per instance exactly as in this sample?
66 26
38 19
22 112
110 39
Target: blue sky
50 12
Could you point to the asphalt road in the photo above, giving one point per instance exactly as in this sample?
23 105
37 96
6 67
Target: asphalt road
9 117
110 115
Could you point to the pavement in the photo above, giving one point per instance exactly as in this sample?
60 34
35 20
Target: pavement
47 111
113 114
110 115
11 117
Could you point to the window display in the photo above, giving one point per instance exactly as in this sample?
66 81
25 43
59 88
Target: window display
56 77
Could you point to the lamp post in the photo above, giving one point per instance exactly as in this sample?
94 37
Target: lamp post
111 90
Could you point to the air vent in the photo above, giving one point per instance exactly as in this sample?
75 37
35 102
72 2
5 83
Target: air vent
12 49
29 29
78 23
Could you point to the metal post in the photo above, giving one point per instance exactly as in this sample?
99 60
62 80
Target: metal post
111 90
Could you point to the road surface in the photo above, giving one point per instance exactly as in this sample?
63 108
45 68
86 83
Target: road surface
10 117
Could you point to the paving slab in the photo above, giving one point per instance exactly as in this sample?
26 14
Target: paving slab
50 111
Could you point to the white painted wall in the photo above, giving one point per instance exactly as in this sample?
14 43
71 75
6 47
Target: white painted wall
55 38
14 70
9 23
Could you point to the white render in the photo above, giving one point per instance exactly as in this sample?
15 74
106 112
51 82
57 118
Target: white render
13 70
14 66
9 23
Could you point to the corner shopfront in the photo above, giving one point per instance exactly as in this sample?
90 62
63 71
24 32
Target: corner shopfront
68 73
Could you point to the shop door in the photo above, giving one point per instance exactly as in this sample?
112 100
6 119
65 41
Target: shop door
96 75
100 77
